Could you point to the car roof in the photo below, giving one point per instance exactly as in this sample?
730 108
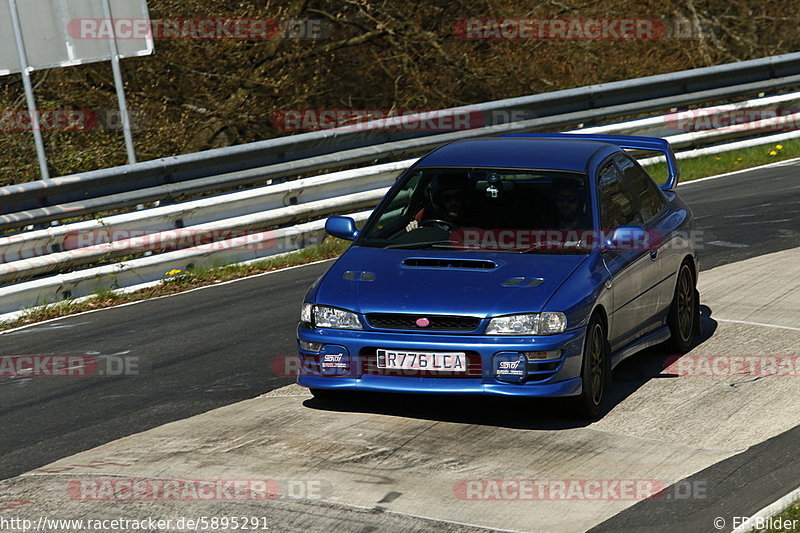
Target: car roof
518 152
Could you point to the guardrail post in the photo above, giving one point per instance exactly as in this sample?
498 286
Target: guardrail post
26 82
123 105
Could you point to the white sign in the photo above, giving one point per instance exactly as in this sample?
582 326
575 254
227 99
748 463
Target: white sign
54 33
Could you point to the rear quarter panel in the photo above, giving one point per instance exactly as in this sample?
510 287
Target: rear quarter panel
679 242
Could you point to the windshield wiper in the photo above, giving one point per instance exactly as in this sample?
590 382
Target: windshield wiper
555 247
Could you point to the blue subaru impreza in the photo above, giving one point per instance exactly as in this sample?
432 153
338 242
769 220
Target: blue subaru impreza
521 265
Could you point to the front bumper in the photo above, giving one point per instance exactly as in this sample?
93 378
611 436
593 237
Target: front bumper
351 363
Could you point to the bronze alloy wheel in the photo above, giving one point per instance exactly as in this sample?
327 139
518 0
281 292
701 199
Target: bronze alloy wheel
685 300
596 362
683 318
594 371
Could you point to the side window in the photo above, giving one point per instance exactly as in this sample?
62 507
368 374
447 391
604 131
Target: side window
616 207
641 188
403 201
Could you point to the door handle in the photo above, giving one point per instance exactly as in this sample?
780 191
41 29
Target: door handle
654 254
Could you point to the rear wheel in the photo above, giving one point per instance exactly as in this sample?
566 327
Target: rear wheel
683 311
594 371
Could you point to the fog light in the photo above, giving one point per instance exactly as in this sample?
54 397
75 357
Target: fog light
543 356
310 346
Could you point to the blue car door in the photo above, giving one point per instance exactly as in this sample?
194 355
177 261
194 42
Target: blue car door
630 268
652 211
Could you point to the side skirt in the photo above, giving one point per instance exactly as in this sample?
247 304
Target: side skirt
656 336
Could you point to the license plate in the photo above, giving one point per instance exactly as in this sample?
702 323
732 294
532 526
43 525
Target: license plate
432 361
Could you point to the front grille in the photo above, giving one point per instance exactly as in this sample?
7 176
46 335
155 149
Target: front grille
409 322
369 360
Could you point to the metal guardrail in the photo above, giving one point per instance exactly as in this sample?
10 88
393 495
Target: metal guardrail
176 177
143 271
42 252
195 213
47 250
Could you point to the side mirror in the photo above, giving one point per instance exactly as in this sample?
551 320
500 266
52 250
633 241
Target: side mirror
628 238
341 227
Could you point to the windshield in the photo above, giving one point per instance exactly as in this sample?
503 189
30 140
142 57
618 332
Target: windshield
506 210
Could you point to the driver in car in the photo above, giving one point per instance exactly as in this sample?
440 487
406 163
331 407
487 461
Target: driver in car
570 204
447 203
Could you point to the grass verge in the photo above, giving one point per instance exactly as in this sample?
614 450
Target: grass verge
711 165
179 281
786 522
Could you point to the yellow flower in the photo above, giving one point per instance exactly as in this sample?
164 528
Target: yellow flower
174 272
717 158
779 147
773 152
737 162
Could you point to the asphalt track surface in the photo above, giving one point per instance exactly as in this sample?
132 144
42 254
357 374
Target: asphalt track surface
212 347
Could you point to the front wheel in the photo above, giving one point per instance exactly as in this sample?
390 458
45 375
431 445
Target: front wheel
683 311
593 372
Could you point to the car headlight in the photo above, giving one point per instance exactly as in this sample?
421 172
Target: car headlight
514 325
528 324
552 323
322 316
305 313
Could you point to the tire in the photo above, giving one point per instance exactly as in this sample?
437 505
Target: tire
683 312
594 371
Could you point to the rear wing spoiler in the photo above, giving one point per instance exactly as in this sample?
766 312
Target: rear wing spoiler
627 142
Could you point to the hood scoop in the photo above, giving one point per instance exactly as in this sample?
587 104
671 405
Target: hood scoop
447 263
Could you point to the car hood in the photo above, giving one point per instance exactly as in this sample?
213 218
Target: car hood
374 280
